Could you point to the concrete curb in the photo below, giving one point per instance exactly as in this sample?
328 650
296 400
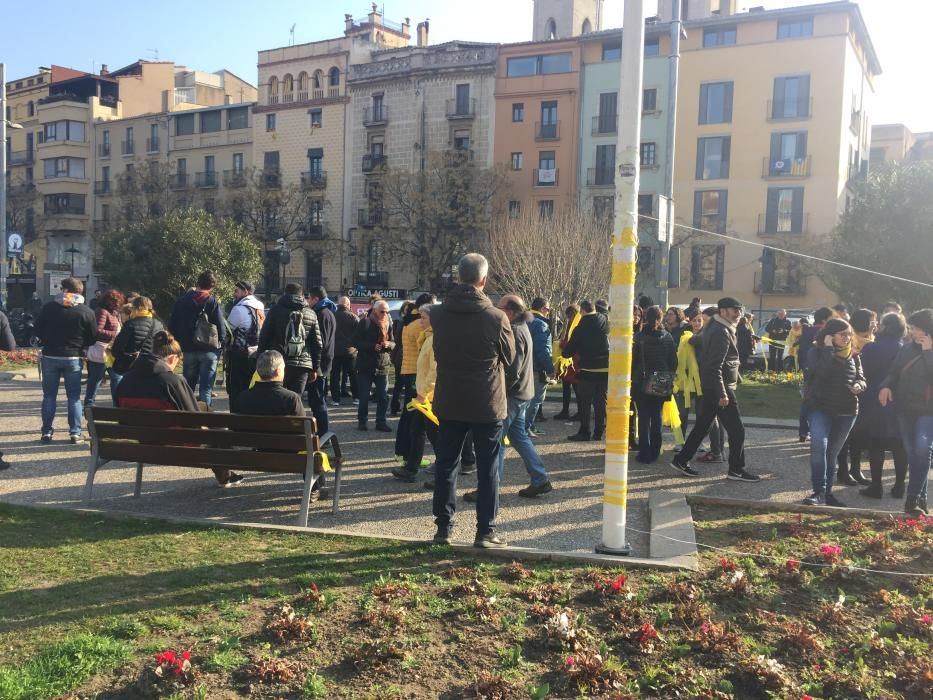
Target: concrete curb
772 507
520 553
673 537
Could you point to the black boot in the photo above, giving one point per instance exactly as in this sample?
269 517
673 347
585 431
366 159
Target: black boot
843 477
856 473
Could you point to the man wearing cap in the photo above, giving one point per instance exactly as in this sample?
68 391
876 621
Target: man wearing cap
719 376
245 319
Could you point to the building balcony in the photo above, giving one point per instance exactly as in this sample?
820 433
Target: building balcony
314 180
270 179
178 181
20 158
782 224
605 125
128 148
207 180
103 150
375 116
65 210
369 217
456 157
600 177
311 232
547 132
102 187
373 280
545 177
461 109
789 110
372 162
782 284
152 145
234 178
785 168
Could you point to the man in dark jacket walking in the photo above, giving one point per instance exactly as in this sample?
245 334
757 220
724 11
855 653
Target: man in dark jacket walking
591 342
67 328
324 309
342 378
473 344
291 328
189 322
719 377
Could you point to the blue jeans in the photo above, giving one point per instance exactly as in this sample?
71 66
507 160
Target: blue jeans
917 434
363 382
531 413
650 409
53 371
828 434
317 399
515 429
200 371
95 375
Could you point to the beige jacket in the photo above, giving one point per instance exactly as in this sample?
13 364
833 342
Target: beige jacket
427 368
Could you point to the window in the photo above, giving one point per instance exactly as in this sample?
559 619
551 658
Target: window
604 173
518 112
315 212
547 64
333 77
209 164
652 47
546 160
30 109
105 139
713 157
316 162
517 161
181 166
716 103
184 125
649 154
270 161
65 130
785 210
546 208
152 143
550 30
709 210
649 100
724 36
63 167
706 266
608 107
210 122
317 116
547 169
105 212
463 99
105 173
238 118
130 138
788 153
791 97
780 273
238 163
378 107
548 120
795 28
64 204
612 50
515 209
270 122
462 140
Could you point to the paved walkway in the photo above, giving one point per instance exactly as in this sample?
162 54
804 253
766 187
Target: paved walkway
568 519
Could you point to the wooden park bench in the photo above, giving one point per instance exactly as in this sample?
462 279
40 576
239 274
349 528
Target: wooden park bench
278 444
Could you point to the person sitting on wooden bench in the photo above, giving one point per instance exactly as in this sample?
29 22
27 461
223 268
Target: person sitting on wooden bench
151 383
269 397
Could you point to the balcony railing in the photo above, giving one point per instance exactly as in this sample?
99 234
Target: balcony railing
600 177
458 156
781 225
372 161
103 150
102 187
545 177
178 181
20 158
128 148
373 280
314 180
855 122
376 116
271 179
65 209
311 232
369 217
547 132
234 178
798 108
461 108
152 145
605 125
206 180
785 167
789 285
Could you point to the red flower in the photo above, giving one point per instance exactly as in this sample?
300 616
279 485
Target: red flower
618 583
806 697
793 564
314 587
570 661
727 565
186 655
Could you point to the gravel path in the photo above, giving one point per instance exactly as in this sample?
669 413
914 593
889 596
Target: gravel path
372 502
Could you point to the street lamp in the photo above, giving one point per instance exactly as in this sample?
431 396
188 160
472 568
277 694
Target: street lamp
4 124
74 251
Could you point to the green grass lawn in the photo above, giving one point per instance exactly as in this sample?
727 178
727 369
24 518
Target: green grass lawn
88 601
764 400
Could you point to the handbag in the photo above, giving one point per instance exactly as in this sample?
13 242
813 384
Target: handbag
98 352
123 364
659 382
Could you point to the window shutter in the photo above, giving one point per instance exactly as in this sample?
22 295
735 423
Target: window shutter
701 149
723 210
704 104
777 101
771 217
797 212
801 144
775 150
697 209
804 96
694 266
720 264
727 98
726 148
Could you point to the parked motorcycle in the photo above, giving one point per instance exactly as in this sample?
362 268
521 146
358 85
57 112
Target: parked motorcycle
23 326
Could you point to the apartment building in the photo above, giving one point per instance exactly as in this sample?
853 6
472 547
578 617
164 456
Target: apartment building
892 143
772 131
301 140
408 106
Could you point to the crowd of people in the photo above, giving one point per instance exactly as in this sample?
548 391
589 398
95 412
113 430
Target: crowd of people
471 376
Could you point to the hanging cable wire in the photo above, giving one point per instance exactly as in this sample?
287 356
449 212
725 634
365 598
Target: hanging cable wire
756 244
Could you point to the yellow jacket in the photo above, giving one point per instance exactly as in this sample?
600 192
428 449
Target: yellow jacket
792 344
687 377
410 335
426 366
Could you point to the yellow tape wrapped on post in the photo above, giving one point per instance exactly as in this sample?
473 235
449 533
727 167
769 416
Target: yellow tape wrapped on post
629 238
623 273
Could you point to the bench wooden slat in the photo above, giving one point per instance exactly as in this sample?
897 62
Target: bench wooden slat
195 436
196 419
203 457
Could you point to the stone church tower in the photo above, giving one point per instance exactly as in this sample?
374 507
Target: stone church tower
561 19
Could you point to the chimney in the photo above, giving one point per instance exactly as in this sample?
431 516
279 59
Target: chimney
406 26
726 8
103 69
348 23
423 33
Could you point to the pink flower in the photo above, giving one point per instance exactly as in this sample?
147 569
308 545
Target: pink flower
926 619
806 697
830 551
570 661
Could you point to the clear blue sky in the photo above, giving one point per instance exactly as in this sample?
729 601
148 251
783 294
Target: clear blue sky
211 35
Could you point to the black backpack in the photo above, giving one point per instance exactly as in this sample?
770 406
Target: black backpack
294 344
206 335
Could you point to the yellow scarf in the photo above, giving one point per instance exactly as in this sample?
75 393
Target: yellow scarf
845 352
561 363
138 313
860 340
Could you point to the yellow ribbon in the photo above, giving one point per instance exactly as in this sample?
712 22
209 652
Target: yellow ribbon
670 416
425 408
